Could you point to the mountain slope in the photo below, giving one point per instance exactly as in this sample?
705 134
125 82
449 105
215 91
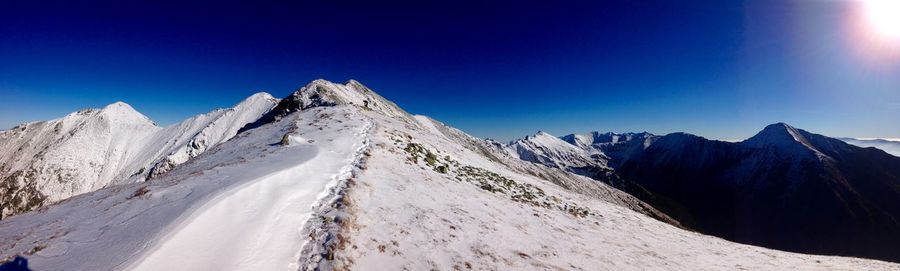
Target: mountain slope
237 192
783 188
610 148
408 213
548 150
220 128
590 156
45 162
366 188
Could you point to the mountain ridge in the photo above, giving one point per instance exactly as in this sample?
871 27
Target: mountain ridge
375 187
48 161
784 188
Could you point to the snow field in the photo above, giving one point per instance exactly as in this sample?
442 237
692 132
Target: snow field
407 216
239 206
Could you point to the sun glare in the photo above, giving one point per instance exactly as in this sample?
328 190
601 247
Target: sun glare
884 18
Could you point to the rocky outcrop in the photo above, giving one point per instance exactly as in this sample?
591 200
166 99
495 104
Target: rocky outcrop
322 92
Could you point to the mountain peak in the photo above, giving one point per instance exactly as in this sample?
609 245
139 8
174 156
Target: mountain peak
540 135
118 106
321 92
256 99
260 96
123 112
778 126
787 140
778 133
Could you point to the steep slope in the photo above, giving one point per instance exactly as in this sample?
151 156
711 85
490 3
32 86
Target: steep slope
224 125
548 150
429 200
45 162
610 148
48 161
783 188
590 156
500 155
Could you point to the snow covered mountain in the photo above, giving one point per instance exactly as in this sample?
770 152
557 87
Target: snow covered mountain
553 152
610 148
587 155
891 146
45 162
784 188
362 185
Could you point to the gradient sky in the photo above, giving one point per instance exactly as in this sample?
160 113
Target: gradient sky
720 69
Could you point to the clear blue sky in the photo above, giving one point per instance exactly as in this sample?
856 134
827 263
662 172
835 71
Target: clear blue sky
721 69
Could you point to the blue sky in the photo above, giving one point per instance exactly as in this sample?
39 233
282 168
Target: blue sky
720 69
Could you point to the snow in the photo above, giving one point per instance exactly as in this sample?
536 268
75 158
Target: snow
215 131
91 149
241 205
229 231
323 92
610 148
250 227
552 151
365 188
407 216
90 146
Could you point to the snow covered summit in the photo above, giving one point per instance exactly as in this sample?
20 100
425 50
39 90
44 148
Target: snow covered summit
553 152
45 162
321 92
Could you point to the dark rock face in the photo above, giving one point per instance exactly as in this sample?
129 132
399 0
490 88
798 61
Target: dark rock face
295 102
784 188
325 93
18 194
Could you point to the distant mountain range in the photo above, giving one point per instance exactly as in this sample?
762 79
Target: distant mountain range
891 146
784 188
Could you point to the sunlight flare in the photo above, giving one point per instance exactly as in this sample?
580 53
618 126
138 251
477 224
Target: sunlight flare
883 17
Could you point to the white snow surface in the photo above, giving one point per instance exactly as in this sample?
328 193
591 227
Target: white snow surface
240 206
405 215
91 149
552 151
224 125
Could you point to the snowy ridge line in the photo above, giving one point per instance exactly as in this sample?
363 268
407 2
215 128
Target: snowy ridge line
329 212
189 214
